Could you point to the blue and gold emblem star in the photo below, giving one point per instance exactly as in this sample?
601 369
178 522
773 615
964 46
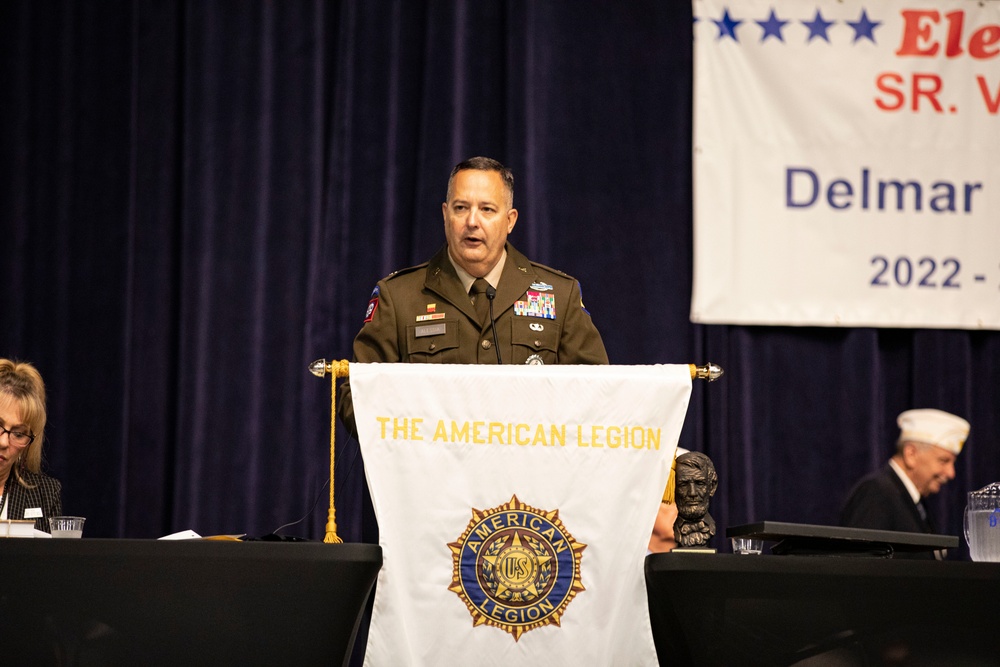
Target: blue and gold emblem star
516 567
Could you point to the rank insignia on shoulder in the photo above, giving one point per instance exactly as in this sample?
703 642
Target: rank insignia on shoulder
541 287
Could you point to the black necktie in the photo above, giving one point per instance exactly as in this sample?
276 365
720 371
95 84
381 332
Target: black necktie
928 524
479 299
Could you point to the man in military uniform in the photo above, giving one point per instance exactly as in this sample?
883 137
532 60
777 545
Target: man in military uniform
439 311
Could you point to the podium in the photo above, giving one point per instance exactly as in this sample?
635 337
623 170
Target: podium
514 506
148 602
724 609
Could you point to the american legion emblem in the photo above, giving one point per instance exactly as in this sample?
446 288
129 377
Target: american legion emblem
516 567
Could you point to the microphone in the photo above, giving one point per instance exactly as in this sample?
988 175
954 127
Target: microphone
491 293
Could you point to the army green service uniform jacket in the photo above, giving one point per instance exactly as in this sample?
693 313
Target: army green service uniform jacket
423 315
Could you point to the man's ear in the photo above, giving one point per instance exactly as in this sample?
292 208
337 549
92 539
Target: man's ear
511 219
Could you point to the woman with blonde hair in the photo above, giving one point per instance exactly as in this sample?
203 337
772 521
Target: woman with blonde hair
25 492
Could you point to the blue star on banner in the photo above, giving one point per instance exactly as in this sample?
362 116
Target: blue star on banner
772 27
818 27
864 27
727 26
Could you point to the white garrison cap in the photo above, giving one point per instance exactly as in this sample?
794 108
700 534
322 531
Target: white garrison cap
934 427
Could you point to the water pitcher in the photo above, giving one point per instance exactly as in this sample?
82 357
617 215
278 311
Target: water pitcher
982 523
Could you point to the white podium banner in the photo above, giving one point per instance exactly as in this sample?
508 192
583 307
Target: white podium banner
845 169
515 504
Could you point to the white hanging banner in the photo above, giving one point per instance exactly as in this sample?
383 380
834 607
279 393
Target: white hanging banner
845 163
514 505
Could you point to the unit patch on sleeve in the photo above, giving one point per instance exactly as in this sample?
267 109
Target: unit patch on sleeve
372 305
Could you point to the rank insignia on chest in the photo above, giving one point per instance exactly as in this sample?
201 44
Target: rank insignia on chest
536 304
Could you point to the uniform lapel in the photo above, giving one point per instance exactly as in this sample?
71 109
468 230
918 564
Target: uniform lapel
443 281
517 276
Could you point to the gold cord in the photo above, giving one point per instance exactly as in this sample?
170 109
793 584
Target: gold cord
337 369
668 493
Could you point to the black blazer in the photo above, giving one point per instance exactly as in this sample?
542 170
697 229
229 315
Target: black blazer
46 495
880 501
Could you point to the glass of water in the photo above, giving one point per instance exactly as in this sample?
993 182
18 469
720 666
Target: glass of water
747 546
66 526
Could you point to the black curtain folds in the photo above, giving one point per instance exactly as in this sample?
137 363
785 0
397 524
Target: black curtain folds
198 197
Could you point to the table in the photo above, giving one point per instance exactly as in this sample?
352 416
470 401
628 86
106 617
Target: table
724 609
192 602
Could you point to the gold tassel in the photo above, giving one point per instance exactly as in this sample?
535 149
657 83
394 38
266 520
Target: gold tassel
338 369
668 493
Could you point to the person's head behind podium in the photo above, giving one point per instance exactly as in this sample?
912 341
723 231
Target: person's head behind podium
929 442
478 214
22 416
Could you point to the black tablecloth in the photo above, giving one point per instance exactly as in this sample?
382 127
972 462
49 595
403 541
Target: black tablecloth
148 602
724 609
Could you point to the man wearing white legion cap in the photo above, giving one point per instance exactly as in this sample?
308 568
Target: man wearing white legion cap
891 499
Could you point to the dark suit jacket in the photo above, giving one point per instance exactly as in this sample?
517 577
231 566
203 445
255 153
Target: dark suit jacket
880 501
392 331
46 495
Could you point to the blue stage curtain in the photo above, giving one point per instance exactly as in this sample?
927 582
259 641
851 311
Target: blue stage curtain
198 197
